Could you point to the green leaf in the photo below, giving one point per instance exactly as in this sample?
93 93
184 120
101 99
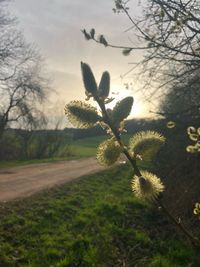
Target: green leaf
81 114
88 79
108 152
146 143
104 86
122 109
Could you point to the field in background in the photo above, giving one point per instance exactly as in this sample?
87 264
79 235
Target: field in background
82 148
87 147
95 221
19 147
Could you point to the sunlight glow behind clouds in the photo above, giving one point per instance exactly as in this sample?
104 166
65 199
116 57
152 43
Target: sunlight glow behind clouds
54 26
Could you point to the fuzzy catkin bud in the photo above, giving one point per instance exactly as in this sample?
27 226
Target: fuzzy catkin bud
144 141
171 124
196 210
88 79
147 187
81 115
122 109
108 152
104 86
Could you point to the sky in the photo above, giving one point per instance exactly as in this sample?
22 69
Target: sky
54 27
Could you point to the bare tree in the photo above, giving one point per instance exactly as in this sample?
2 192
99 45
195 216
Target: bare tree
168 31
22 87
181 102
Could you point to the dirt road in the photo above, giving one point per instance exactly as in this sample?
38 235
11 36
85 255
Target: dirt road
24 181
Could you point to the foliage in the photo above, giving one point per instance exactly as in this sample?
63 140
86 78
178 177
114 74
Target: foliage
182 99
11 147
194 135
56 145
84 115
145 184
26 145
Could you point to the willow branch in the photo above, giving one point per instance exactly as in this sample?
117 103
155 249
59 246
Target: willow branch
195 241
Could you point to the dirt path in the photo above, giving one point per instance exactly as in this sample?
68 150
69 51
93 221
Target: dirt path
24 181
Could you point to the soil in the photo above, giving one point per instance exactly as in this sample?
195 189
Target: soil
24 181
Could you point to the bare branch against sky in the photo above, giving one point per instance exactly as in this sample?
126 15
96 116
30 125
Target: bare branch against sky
55 27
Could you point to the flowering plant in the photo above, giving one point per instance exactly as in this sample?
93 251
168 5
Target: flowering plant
145 185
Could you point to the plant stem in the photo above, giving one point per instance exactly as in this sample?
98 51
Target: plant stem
118 138
195 241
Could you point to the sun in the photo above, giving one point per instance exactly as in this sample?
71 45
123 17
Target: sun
139 110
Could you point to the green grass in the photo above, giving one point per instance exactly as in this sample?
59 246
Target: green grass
87 147
94 221
78 149
82 148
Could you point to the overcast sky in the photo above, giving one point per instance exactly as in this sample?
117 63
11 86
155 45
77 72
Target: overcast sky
54 26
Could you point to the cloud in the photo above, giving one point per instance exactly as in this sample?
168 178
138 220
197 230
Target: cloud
54 26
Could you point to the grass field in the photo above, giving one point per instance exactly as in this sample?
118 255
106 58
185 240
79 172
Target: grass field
78 149
94 221
87 147
81 148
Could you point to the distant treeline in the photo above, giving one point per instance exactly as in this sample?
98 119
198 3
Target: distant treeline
18 144
131 126
38 144
135 125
